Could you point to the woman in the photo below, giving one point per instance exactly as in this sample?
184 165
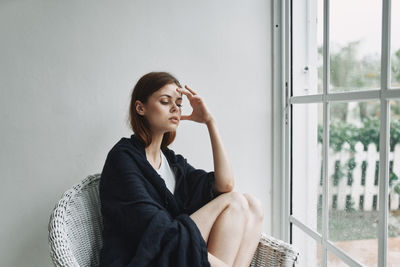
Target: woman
160 211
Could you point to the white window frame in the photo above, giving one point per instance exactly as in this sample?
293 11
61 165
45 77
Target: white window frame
282 105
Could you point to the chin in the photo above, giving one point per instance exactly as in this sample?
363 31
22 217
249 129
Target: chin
171 128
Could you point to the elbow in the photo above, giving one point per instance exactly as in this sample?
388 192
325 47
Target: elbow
229 187
224 185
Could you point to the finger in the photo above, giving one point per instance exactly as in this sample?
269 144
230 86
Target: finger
191 90
185 117
186 92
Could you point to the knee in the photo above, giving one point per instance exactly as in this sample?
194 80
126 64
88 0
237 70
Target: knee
238 202
255 207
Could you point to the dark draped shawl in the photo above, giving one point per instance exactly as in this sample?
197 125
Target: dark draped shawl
144 223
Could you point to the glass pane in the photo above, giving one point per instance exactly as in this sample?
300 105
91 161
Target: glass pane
335 261
305 44
353 171
395 47
355 45
307 164
308 248
393 256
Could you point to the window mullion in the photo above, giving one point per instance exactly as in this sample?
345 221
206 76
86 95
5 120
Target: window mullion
385 53
384 136
326 66
383 182
325 183
288 125
282 126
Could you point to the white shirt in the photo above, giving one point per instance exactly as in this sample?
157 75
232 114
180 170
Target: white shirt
166 173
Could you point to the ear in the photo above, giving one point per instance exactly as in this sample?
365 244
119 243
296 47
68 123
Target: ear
140 109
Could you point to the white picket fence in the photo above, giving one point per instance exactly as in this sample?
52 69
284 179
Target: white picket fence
363 190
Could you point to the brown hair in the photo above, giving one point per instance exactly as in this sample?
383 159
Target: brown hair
146 86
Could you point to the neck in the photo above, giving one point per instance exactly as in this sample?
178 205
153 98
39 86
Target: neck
153 151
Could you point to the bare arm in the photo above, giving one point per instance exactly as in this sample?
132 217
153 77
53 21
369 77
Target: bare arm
215 262
224 181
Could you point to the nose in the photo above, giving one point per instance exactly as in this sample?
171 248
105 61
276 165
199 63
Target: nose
175 107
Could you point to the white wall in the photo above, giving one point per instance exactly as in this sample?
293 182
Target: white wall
67 69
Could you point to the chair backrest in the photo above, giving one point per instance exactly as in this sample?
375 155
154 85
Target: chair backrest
75 225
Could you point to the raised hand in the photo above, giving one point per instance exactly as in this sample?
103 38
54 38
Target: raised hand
200 112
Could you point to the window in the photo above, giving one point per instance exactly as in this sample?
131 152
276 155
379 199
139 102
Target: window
337 81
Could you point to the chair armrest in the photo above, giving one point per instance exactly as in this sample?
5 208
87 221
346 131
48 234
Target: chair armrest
274 252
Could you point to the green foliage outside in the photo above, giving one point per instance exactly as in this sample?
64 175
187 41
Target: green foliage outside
395 63
349 72
342 132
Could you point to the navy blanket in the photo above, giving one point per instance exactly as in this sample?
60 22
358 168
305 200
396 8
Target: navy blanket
144 223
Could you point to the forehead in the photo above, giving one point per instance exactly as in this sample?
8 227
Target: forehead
168 89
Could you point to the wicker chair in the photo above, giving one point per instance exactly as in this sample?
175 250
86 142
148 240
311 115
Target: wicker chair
75 231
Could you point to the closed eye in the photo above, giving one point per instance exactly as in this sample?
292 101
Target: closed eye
166 103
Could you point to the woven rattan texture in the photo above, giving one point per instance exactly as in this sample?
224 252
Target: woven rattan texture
274 252
75 225
75 232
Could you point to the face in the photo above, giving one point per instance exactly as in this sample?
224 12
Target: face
161 106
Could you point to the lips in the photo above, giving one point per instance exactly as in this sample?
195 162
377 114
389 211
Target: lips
174 119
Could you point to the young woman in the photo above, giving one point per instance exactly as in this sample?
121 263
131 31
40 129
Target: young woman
157 209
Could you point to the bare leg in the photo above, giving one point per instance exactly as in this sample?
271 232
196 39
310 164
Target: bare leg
252 233
221 223
215 262
227 233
